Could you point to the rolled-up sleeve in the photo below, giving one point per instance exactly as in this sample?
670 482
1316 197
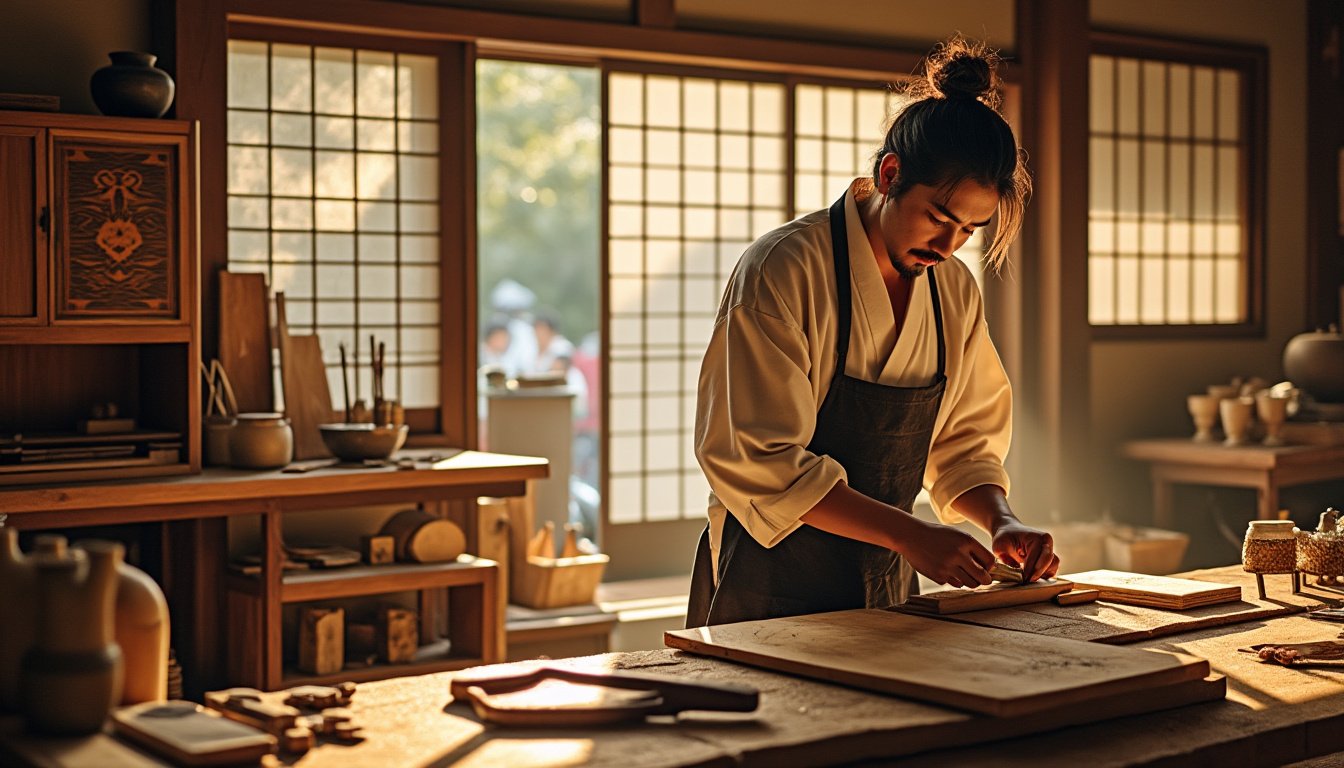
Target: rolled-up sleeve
755 416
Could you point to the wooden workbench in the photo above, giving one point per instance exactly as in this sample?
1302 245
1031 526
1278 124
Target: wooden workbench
1271 716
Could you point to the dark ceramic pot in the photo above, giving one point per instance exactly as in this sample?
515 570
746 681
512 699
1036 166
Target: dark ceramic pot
1315 362
132 86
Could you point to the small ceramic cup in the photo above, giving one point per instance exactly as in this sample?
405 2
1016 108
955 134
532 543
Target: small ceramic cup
1204 410
1236 413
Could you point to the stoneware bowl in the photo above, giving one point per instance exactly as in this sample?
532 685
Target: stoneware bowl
360 441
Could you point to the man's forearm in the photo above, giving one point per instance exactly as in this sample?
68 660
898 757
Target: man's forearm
849 513
986 506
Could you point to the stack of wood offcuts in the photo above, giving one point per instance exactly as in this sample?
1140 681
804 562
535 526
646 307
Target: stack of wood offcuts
327 643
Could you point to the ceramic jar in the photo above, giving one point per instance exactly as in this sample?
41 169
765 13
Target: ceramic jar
1270 547
72 675
261 441
218 430
141 631
1315 362
131 86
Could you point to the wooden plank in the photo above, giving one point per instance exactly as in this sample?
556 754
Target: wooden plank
999 595
1155 591
985 670
245 339
303 377
1115 624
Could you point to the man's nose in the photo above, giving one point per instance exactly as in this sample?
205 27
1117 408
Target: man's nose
944 244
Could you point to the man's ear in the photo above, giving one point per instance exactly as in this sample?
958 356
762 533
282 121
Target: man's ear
889 172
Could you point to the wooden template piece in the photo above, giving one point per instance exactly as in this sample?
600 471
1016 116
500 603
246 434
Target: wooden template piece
187 734
303 376
245 339
980 669
998 595
1154 591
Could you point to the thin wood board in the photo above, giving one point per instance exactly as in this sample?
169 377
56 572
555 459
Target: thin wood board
981 669
998 595
1115 624
245 339
1154 591
303 376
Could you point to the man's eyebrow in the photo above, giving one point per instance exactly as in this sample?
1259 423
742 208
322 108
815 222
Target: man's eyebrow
942 209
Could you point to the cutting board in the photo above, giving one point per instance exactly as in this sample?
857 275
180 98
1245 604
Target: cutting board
187 734
1155 591
245 339
998 595
303 376
981 669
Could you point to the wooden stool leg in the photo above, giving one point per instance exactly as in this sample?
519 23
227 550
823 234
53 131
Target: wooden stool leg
1260 584
1297 582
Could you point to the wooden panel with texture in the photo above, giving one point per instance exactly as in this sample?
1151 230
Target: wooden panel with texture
303 377
23 291
245 339
999 595
981 669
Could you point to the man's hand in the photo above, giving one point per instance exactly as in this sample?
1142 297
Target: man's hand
1030 549
946 555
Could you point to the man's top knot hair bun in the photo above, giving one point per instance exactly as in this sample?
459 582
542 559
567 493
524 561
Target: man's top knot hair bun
960 69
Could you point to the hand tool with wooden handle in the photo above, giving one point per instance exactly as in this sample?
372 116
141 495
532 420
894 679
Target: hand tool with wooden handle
649 695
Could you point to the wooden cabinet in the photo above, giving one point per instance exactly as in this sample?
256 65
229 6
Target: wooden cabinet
99 343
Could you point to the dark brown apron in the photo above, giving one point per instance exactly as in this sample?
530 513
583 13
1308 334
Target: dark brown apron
880 434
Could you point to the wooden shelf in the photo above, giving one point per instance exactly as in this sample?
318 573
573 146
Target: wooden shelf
87 332
363 580
434 657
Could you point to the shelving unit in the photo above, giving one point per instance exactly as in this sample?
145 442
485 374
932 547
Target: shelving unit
473 623
99 300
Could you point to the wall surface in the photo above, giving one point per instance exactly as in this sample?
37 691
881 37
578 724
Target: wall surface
52 47
1139 387
910 25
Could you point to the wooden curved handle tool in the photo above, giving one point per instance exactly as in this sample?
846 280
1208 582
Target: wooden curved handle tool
673 696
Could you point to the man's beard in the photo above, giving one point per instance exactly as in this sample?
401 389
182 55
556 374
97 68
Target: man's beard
911 271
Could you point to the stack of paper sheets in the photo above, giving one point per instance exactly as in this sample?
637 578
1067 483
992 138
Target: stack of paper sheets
1154 591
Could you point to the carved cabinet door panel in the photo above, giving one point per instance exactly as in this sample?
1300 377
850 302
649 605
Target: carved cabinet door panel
117 224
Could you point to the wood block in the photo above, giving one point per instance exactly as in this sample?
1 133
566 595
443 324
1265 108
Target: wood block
312 696
378 549
398 635
1155 591
424 538
242 705
321 640
188 734
298 740
1077 597
997 595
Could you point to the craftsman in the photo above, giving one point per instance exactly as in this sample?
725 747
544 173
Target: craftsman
815 450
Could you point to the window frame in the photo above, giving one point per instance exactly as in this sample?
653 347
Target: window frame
1251 62
450 423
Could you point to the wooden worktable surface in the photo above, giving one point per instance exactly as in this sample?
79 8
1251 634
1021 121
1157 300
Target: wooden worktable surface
1272 715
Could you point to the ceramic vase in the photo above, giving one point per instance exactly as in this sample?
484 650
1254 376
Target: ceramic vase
72 675
1315 363
131 86
141 631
